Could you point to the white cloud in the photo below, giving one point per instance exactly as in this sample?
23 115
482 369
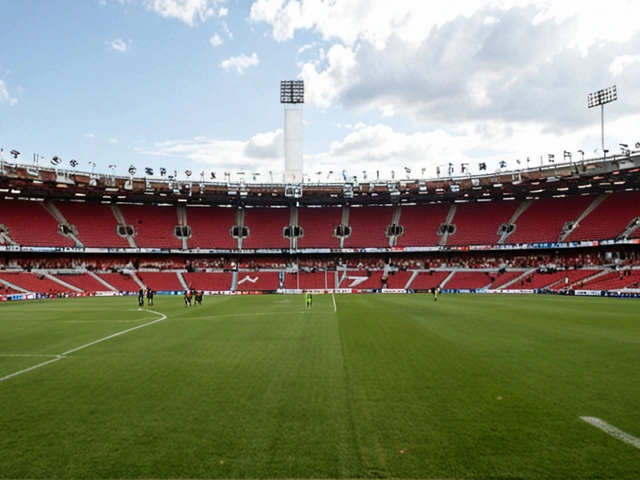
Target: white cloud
240 63
113 140
223 12
89 135
621 63
119 45
5 96
323 87
216 41
191 12
261 153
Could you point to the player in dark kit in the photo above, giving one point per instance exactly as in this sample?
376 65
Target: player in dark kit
141 298
149 297
187 297
199 295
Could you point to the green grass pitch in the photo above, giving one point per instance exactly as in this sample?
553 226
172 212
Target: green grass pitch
381 386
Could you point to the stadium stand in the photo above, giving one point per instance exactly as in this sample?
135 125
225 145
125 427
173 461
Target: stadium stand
248 281
463 280
266 227
425 280
33 282
420 224
609 219
368 226
161 281
121 282
318 226
154 225
30 224
211 227
310 280
478 223
214 281
83 281
96 224
543 220
614 281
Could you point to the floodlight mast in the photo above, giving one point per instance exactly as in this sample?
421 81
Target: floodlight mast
292 95
601 97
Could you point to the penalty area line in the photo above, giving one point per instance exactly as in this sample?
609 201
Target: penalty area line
63 355
613 431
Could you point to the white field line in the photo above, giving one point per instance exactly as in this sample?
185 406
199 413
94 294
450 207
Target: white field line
335 308
162 317
2 379
63 355
24 355
613 431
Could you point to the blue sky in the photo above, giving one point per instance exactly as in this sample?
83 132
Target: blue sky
194 84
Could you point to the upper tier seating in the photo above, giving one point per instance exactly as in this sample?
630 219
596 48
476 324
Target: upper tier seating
420 223
609 219
96 224
478 223
266 226
543 220
368 225
318 227
211 227
154 225
30 224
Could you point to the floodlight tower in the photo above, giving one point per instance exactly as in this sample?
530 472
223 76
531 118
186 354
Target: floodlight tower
601 97
292 96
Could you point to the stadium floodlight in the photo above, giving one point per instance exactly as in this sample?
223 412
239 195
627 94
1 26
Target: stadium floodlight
132 170
581 152
292 91
73 163
601 98
56 160
567 155
188 173
148 171
163 171
482 166
15 153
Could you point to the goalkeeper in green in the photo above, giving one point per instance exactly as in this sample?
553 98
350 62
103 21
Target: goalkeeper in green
309 300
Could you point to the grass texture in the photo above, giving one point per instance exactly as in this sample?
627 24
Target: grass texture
371 386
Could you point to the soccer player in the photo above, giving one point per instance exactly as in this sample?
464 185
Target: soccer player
141 298
149 297
309 300
187 297
199 295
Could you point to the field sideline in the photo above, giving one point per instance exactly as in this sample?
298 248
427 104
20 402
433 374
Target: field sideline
387 386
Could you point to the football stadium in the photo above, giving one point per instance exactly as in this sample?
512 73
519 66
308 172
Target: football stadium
523 366
414 292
